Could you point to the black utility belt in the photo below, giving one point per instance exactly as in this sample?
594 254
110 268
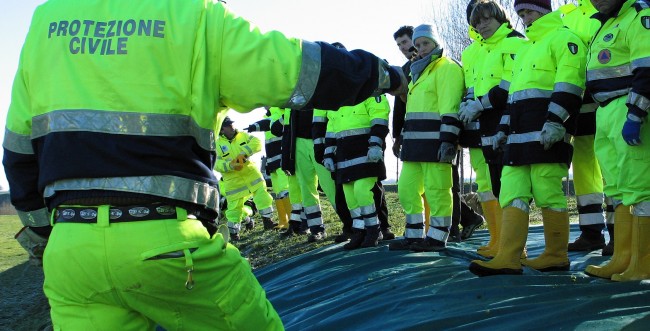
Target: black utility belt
88 214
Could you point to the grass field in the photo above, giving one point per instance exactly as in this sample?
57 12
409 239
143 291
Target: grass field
24 307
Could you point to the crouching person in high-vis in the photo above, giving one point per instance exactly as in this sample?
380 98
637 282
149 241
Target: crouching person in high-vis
241 177
120 144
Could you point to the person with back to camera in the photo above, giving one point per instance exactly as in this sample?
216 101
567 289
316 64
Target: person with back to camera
133 241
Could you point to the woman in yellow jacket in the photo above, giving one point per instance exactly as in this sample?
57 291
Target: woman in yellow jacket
485 63
429 143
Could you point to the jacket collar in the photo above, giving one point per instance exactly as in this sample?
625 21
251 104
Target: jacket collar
543 25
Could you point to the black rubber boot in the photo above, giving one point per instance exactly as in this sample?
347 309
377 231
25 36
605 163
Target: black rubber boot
429 245
344 236
591 238
403 245
356 239
373 236
268 223
387 234
293 229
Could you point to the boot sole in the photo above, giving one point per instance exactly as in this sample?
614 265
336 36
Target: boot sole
482 271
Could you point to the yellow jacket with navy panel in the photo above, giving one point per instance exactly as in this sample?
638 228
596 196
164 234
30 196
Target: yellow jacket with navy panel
238 183
547 85
127 91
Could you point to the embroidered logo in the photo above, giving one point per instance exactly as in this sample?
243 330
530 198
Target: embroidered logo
604 56
166 210
608 37
645 21
573 48
224 149
67 213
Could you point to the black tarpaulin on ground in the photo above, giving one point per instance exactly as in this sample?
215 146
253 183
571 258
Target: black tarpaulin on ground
378 289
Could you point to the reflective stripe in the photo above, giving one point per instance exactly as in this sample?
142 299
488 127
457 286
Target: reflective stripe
371 221
568 88
422 116
376 140
641 63
233 227
520 204
535 136
319 119
504 85
259 180
266 212
353 132
330 135
486 141
137 124
610 72
505 120
237 190
588 108
379 121
17 143
274 158
485 102
438 234
358 223
439 221
641 209
486 196
330 150
176 188
590 199
450 128
413 233
420 135
521 138
415 218
472 126
319 141
355 213
559 111
249 151
529 94
639 101
591 219
368 210
609 95
312 209
352 162
316 221
35 218
273 140
309 74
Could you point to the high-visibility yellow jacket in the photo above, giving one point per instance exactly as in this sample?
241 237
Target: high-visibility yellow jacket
351 131
619 58
470 135
121 99
238 183
547 85
488 64
578 19
432 110
272 142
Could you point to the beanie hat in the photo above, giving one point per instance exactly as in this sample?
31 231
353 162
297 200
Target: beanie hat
542 6
470 7
424 30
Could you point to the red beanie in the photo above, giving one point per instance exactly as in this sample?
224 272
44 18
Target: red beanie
542 6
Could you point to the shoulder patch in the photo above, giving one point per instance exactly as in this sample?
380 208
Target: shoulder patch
573 48
645 21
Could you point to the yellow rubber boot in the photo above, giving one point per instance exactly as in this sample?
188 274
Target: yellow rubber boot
283 215
512 240
556 236
622 245
639 267
493 213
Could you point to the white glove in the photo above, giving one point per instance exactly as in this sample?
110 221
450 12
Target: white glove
552 132
329 164
375 154
33 243
470 110
447 152
497 140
